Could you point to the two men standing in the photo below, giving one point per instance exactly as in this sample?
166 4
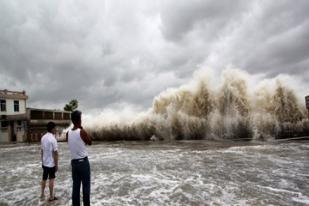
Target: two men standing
77 139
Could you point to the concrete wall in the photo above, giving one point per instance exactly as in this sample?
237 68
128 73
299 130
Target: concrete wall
4 135
18 130
10 107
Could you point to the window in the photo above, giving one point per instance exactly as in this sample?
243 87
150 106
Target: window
36 114
16 106
66 116
48 115
58 115
4 124
2 105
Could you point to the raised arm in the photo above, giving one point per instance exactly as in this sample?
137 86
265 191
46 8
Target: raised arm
66 136
85 137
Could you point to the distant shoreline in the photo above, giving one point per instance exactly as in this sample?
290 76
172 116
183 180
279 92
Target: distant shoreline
165 141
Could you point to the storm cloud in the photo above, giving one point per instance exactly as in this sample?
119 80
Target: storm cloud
108 54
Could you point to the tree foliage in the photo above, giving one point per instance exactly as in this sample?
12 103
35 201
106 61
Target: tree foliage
71 106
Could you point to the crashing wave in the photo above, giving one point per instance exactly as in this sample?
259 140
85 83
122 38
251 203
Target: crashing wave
227 112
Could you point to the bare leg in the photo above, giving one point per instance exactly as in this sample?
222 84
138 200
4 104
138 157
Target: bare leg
51 189
43 183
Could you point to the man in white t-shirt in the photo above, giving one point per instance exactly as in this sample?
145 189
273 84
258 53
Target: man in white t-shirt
49 157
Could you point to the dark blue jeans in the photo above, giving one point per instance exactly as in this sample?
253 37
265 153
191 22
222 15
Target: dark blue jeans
81 174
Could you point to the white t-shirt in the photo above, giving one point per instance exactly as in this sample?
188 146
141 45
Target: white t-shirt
77 146
48 145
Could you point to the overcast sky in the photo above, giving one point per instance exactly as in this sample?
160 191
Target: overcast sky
111 54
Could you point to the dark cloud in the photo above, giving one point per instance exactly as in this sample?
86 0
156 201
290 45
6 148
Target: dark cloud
107 53
182 17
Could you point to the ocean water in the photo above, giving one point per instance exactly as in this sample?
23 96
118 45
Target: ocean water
161 173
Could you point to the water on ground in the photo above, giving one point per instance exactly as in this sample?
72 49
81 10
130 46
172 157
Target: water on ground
178 173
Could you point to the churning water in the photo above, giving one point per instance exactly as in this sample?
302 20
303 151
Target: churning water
228 109
176 173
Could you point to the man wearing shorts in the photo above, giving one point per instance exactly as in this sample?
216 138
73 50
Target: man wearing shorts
49 156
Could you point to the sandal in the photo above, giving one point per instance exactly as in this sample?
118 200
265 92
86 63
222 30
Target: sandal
52 199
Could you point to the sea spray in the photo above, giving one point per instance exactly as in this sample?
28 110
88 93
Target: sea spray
229 111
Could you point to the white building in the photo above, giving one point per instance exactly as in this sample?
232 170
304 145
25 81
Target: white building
21 124
13 118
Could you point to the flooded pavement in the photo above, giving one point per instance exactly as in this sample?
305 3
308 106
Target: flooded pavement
177 173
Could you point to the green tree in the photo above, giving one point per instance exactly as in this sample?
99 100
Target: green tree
73 104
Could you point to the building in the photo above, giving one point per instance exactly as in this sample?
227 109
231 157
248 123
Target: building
37 120
307 104
21 124
13 116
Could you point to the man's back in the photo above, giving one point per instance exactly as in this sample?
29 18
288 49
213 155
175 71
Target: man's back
48 145
77 139
76 145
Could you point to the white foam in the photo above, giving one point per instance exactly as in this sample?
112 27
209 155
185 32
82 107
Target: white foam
137 174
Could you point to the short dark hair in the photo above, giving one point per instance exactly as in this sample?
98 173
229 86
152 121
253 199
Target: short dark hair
76 117
50 126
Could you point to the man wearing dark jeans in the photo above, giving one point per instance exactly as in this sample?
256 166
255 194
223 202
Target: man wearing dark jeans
77 139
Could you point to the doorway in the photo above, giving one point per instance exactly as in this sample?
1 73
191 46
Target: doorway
12 132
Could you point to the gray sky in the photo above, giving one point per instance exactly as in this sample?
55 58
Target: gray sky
108 54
